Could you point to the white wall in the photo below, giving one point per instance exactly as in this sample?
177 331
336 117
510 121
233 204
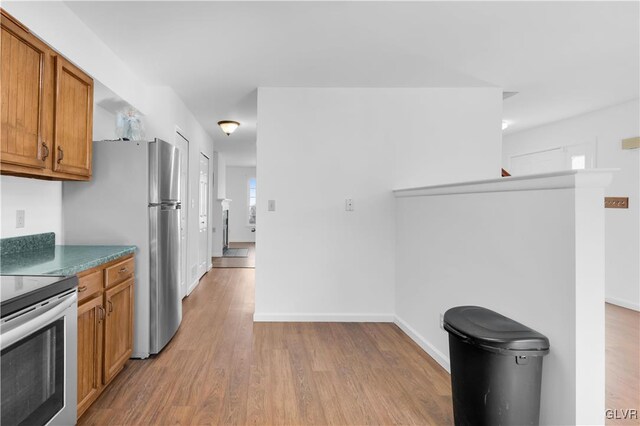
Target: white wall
41 201
104 123
316 261
238 192
534 255
605 128
222 176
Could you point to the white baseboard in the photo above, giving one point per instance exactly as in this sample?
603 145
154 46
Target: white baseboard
192 286
624 303
217 254
261 317
426 346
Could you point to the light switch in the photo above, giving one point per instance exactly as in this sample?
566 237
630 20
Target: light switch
348 205
271 206
19 218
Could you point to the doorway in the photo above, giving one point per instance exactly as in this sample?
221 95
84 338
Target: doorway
203 215
183 145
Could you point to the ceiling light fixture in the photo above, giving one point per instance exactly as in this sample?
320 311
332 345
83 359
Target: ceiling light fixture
505 124
228 126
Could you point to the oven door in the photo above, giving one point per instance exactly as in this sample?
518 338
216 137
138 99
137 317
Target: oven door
38 364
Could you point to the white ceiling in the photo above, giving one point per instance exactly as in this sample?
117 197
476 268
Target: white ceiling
564 58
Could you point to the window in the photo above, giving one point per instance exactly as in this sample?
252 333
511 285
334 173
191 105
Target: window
252 201
578 162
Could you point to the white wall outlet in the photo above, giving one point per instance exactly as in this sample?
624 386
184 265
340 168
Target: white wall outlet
348 205
20 218
271 205
442 321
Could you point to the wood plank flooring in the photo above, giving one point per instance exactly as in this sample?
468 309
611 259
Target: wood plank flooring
622 362
237 262
221 368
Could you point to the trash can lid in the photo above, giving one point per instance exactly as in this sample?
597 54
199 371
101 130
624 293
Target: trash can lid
492 331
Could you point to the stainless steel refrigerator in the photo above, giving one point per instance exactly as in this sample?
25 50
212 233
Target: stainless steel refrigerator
134 199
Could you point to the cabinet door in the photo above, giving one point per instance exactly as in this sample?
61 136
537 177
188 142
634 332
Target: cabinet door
91 316
73 119
118 342
23 63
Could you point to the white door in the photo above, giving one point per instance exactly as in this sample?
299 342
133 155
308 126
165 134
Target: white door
570 157
537 162
183 146
203 235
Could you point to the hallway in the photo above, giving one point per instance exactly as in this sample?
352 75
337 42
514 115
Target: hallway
237 262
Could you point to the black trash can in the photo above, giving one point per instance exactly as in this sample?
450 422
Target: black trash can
496 368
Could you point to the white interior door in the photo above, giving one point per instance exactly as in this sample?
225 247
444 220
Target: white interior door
183 146
537 162
570 157
203 235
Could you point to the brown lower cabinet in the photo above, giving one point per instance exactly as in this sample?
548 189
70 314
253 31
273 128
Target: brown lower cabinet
105 326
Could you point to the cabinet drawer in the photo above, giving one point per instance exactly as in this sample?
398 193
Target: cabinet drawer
119 272
89 285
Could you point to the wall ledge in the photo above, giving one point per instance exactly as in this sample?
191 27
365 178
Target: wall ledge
592 178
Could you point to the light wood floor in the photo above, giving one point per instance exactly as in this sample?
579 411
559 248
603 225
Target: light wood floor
623 361
221 368
237 262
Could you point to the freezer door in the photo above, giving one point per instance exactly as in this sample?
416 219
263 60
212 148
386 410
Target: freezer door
164 172
166 304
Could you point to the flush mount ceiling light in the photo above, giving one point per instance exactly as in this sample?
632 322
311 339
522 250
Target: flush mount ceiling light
228 126
505 124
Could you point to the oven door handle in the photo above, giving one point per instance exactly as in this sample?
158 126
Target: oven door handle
9 337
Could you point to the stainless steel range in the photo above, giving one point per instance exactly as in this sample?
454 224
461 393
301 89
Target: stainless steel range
38 343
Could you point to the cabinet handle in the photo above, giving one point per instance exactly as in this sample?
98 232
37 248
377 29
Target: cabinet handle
110 306
82 288
100 313
123 269
60 155
46 150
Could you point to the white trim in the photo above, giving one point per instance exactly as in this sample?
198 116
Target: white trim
624 303
179 133
426 346
193 285
594 178
258 317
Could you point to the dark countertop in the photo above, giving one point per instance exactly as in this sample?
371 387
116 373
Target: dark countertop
60 260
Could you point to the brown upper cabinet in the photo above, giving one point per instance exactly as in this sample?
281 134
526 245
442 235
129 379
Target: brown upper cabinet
46 111
73 118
